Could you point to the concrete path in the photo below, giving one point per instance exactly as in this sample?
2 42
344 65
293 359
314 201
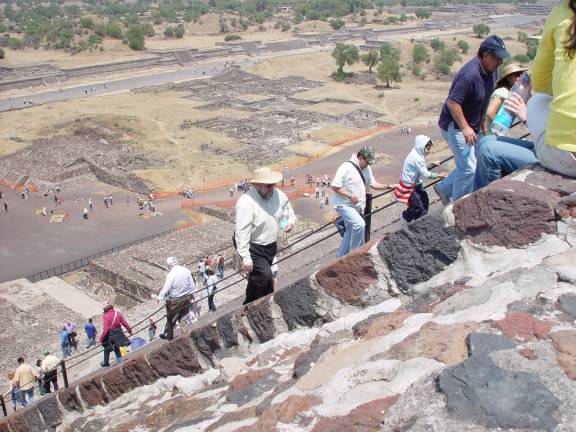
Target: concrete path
70 297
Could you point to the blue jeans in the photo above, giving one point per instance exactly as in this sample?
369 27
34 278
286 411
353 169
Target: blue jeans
211 305
30 394
500 156
90 341
461 179
65 348
354 235
221 270
106 361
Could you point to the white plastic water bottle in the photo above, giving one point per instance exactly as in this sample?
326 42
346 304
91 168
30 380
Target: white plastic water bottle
504 118
284 217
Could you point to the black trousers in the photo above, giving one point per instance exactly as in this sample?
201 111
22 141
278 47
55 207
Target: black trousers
176 310
260 280
51 377
417 204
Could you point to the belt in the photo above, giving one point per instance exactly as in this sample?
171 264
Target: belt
176 298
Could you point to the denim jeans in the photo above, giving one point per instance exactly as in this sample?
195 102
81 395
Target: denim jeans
91 340
461 179
500 156
211 305
65 348
106 361
30 394
221 270
354 235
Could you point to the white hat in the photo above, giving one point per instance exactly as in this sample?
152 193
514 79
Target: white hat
266 176
172 261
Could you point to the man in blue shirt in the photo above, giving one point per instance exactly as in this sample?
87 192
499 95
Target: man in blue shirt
462 119
90 330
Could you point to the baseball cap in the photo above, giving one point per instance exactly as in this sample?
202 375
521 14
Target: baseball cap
172 261
367 153
46 352
495 44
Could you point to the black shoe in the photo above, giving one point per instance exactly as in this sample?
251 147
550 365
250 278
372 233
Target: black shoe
104 365
443 197
162 336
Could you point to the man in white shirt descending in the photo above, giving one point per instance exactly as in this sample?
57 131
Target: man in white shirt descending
260 213
350 185
179 287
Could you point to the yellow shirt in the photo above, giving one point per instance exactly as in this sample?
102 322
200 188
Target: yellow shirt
25 375
554 73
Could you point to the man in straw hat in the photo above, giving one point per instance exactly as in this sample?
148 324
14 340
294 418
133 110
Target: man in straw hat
352 180
260 213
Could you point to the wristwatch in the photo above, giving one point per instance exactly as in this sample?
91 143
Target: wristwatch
350 196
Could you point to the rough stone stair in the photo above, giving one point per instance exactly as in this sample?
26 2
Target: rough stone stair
11 179
184 57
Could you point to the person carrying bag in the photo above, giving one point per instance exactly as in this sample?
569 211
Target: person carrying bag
113 336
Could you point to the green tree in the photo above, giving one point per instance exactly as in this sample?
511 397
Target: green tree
2 54
522 36
422 13
345 54
437 45
464 46
481 29
388 50
169 32
449 56
313 15
100 29
419 53
179 31
370 59
232 37
532 52
389 70
362 22
15 43
443 68
114 30
522 58
86 23
416 69
337 24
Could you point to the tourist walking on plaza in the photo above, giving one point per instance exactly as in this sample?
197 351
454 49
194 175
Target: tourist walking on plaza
71 329
462 119
211 289
352 180
201 270
221 266
64 341
112 337
91 332
50 370
260 213
90 204
178 288
39 372
25 376
14 390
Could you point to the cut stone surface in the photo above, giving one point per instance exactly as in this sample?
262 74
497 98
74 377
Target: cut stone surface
247 379
260 318
258 388
535 280
33 420
116 383
70 400
544 178
50 411
231 367
478 391
442 342
420 251
506 213
348 278
227 331
305 360
567 304
364 418
138 372
522 326
206 341
485 343
384 325
92 393
175 358
297 303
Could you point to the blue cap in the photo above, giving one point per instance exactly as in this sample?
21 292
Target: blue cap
494 43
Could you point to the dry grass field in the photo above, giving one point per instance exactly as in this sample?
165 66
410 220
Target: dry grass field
150 122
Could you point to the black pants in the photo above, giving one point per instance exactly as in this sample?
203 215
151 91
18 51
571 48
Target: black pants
51 377
417 204
260 280
176 310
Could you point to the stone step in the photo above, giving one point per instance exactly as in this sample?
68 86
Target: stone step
12 177
70 296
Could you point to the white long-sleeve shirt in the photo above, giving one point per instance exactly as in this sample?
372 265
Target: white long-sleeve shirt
258 220
179 282
347 177
211 284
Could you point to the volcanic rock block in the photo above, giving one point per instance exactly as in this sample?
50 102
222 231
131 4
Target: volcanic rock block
384 325
175 358
259 316
116 383
50 411
287 412
17 423
506 213
246 394
485 343
442 342
33 420
227 331
138 372
92 393
70 400
348 278
565 343
421 251
566 207
522 326
304 360
567 304
559 183
4 427
365 417
206 341
480 392
297 303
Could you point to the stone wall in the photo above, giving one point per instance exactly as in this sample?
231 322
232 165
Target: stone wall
463 319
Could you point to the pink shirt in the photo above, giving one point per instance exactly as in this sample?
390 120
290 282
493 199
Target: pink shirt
109 323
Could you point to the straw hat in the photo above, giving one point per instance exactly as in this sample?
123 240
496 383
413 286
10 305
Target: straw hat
510 69
266 176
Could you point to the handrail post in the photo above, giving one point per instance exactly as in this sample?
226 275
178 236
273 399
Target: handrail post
64 373
368 216
3 402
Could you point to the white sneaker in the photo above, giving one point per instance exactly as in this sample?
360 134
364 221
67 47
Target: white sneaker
403 221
